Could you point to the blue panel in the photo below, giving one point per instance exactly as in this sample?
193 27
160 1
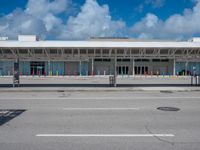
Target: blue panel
198 68
84 68
1 68
6 68
24 67
193 67
57 68
180 67
47 67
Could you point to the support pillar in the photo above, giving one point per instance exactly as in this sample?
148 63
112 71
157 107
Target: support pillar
115 70
186 68
92 67
133 67
49 68
174 68
80 68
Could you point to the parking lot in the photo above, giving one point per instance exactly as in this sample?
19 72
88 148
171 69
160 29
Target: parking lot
82 120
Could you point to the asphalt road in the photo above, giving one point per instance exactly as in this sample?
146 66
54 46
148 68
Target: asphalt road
99 120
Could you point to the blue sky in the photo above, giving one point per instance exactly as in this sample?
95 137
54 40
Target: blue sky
81 19
119 9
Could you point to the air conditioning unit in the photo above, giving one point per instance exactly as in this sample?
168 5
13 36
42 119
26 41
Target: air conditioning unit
3 38
27 38
195 39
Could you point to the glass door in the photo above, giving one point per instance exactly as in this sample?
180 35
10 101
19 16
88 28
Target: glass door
141 70
37 68
122 70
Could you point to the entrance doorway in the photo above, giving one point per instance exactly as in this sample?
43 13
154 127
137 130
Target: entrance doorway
122 70
141 70
37 68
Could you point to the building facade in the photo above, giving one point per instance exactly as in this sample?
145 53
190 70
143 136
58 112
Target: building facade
97 57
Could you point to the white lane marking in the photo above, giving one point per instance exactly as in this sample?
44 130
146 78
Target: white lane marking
105 135
101 108
99 98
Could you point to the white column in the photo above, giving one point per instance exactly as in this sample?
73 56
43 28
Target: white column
174 67
186 67
80 68
133 67
49 68
92 67
115 71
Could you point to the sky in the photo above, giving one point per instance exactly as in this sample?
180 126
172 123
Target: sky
82 19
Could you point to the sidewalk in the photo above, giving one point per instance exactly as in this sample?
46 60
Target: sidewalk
138 83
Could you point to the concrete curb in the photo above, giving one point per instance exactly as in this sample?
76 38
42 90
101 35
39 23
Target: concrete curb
106 89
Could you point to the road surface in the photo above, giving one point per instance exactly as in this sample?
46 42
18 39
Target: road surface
102 120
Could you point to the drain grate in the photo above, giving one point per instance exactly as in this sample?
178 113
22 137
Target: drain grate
9 114
168 108
60 91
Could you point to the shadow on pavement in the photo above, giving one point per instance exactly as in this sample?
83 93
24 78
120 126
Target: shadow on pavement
9 114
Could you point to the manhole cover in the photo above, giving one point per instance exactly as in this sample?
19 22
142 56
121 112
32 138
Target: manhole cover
166 92
60 91
168 108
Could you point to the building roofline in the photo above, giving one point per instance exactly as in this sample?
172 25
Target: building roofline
99 44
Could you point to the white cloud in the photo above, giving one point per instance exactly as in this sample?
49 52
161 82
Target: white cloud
151 20
176 26
153 3
3 27
35 19
47 11
19 22
42 17
156 3
93 20
40 8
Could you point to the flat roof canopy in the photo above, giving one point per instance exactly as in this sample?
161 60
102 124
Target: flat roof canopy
97 44
74 50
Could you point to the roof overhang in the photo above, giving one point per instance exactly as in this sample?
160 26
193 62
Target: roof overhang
97 44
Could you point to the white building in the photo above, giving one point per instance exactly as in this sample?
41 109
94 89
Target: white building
98 56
